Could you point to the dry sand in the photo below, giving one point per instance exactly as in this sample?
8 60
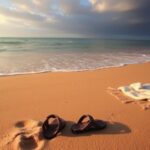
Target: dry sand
25 100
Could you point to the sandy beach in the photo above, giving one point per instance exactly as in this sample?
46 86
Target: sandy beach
70 95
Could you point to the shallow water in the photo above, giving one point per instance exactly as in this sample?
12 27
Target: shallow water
32 55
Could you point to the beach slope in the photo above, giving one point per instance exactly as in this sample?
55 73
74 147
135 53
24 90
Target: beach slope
70 95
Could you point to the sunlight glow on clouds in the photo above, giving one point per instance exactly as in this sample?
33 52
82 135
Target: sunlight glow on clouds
74 17
2 19
113 5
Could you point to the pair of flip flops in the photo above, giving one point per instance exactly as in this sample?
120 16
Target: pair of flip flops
50 130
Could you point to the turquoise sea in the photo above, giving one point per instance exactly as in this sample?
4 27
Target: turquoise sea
33 55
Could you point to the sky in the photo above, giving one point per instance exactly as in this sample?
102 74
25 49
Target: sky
74 18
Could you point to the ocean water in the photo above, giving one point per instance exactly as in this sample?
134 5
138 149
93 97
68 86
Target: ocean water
33 55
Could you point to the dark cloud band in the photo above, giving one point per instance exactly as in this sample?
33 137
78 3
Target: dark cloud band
82 17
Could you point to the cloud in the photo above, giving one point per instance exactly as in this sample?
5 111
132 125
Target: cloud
15 14
76 17
113 5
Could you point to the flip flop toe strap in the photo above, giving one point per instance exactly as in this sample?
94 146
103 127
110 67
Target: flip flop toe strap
46 124
91 119
89 122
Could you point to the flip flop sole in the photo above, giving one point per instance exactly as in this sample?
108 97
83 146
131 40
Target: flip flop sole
86 126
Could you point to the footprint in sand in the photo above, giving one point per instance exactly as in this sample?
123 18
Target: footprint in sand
26 135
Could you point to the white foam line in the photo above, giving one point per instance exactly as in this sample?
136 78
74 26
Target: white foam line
62 70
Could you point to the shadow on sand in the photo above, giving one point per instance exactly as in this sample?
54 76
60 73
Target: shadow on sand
29 133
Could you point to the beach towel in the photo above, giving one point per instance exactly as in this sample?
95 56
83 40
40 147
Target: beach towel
137 93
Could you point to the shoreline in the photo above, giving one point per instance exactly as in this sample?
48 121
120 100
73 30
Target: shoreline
71 94
85 70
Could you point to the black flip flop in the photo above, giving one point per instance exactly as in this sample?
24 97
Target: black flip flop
52 129
90 125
